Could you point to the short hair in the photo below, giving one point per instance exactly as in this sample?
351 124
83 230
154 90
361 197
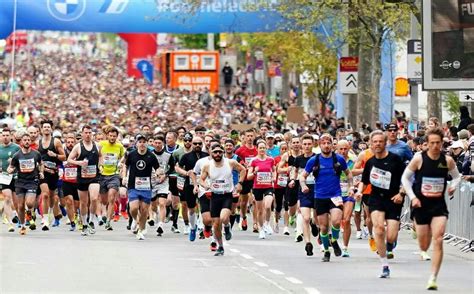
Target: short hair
229 141
251 130
25 135
86 127
6 130
159 138
175 135
111 129
307 137
261 142
435 131
378 133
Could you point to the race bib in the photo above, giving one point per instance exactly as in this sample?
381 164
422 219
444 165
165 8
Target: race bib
142 183
432 187
70 173
27 165
5 179
180 183
220 186
310 179
248 160
50 165
89 171
337 200
380 178
110 159
344 189
282 180
264 178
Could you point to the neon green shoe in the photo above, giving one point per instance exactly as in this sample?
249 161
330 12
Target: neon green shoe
292 220
432 285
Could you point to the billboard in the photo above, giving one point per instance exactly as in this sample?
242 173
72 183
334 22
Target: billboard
448 44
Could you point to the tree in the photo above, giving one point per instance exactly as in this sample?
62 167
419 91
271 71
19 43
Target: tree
194 41
300 52
452 104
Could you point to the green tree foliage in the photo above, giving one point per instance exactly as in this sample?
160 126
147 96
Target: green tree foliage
452 104
194 41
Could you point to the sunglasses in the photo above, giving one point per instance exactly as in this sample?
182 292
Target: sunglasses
197 144
217 152
392 131
187 140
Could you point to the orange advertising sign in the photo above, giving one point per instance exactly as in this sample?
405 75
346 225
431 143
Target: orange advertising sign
348 64
195 80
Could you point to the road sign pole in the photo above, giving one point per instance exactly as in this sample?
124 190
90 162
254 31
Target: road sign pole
414 34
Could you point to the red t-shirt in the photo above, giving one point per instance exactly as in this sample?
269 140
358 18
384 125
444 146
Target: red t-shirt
264 177
282 178
246 154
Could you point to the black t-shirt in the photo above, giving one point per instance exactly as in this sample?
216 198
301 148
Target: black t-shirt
140 169
27 166
384 174
188 161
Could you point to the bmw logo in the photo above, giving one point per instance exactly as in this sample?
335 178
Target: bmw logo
66 10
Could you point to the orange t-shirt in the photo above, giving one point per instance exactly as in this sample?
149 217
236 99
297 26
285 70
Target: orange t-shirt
368 154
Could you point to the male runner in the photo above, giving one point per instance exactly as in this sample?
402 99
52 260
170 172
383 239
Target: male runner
69 178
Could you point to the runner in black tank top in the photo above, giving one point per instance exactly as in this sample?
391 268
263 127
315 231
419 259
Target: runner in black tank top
431 169
89 174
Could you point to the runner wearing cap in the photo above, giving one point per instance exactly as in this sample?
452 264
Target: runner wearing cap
216 176
273 149
396 146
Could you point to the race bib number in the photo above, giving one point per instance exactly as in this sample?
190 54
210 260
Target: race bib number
220 186
110 159
143 183
70 173
344 189
282 180
50 165
310 179
27 165
89 171
264 178
248 160
380 178
337 200
432 187
5 179
180 183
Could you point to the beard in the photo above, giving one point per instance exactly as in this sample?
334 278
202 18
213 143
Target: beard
217 158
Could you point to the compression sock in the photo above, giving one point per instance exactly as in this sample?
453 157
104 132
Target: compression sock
389 247
325 240
174 216
232 220
192 219
335 233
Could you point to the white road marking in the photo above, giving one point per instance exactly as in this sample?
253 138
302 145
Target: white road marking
261 264
294 280
246 256
234 250
276 272
312 291
264 278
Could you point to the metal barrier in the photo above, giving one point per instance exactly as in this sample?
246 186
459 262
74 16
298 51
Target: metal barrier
460 227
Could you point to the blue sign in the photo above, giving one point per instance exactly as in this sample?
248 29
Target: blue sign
146 68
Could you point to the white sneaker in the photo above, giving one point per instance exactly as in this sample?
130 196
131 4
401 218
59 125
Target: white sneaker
359 235
140 235
134 227
424 256
261 234
268 230
365 233
187 229
286 231
144 232
321 246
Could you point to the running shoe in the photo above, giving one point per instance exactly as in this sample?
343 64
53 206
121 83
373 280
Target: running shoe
22 231
309 249
286 231
116 218
261 234
219 251
314 229
237 218
385 273
151 222
372 244
424 256
192 234
32 225
359 235
326 257
432 284
292 220
44 227
15 219
268 230
187 229
134 227
201 234
11 229
244 224
84 231
207 234
140 235
390 255
5 220
365 232
91 228
255 228
28 216
73 227
101 222
213 246
159 231
174 229
124 214
108 226
345 252
56 223
336 248
228 233
80 227
63 210
299 238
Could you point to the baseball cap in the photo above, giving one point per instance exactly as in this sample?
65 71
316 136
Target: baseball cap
391 126
126 142
463 134
140 137
57 134
188 137
457 144
270 135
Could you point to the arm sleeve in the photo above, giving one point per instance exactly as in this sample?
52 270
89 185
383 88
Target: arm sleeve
456 177
407 182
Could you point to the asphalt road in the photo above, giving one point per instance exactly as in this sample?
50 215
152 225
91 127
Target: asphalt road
115 262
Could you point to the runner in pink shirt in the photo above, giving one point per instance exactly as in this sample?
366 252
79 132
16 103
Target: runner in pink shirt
263 172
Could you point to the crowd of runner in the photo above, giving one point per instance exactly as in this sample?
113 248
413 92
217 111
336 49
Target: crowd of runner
216 180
